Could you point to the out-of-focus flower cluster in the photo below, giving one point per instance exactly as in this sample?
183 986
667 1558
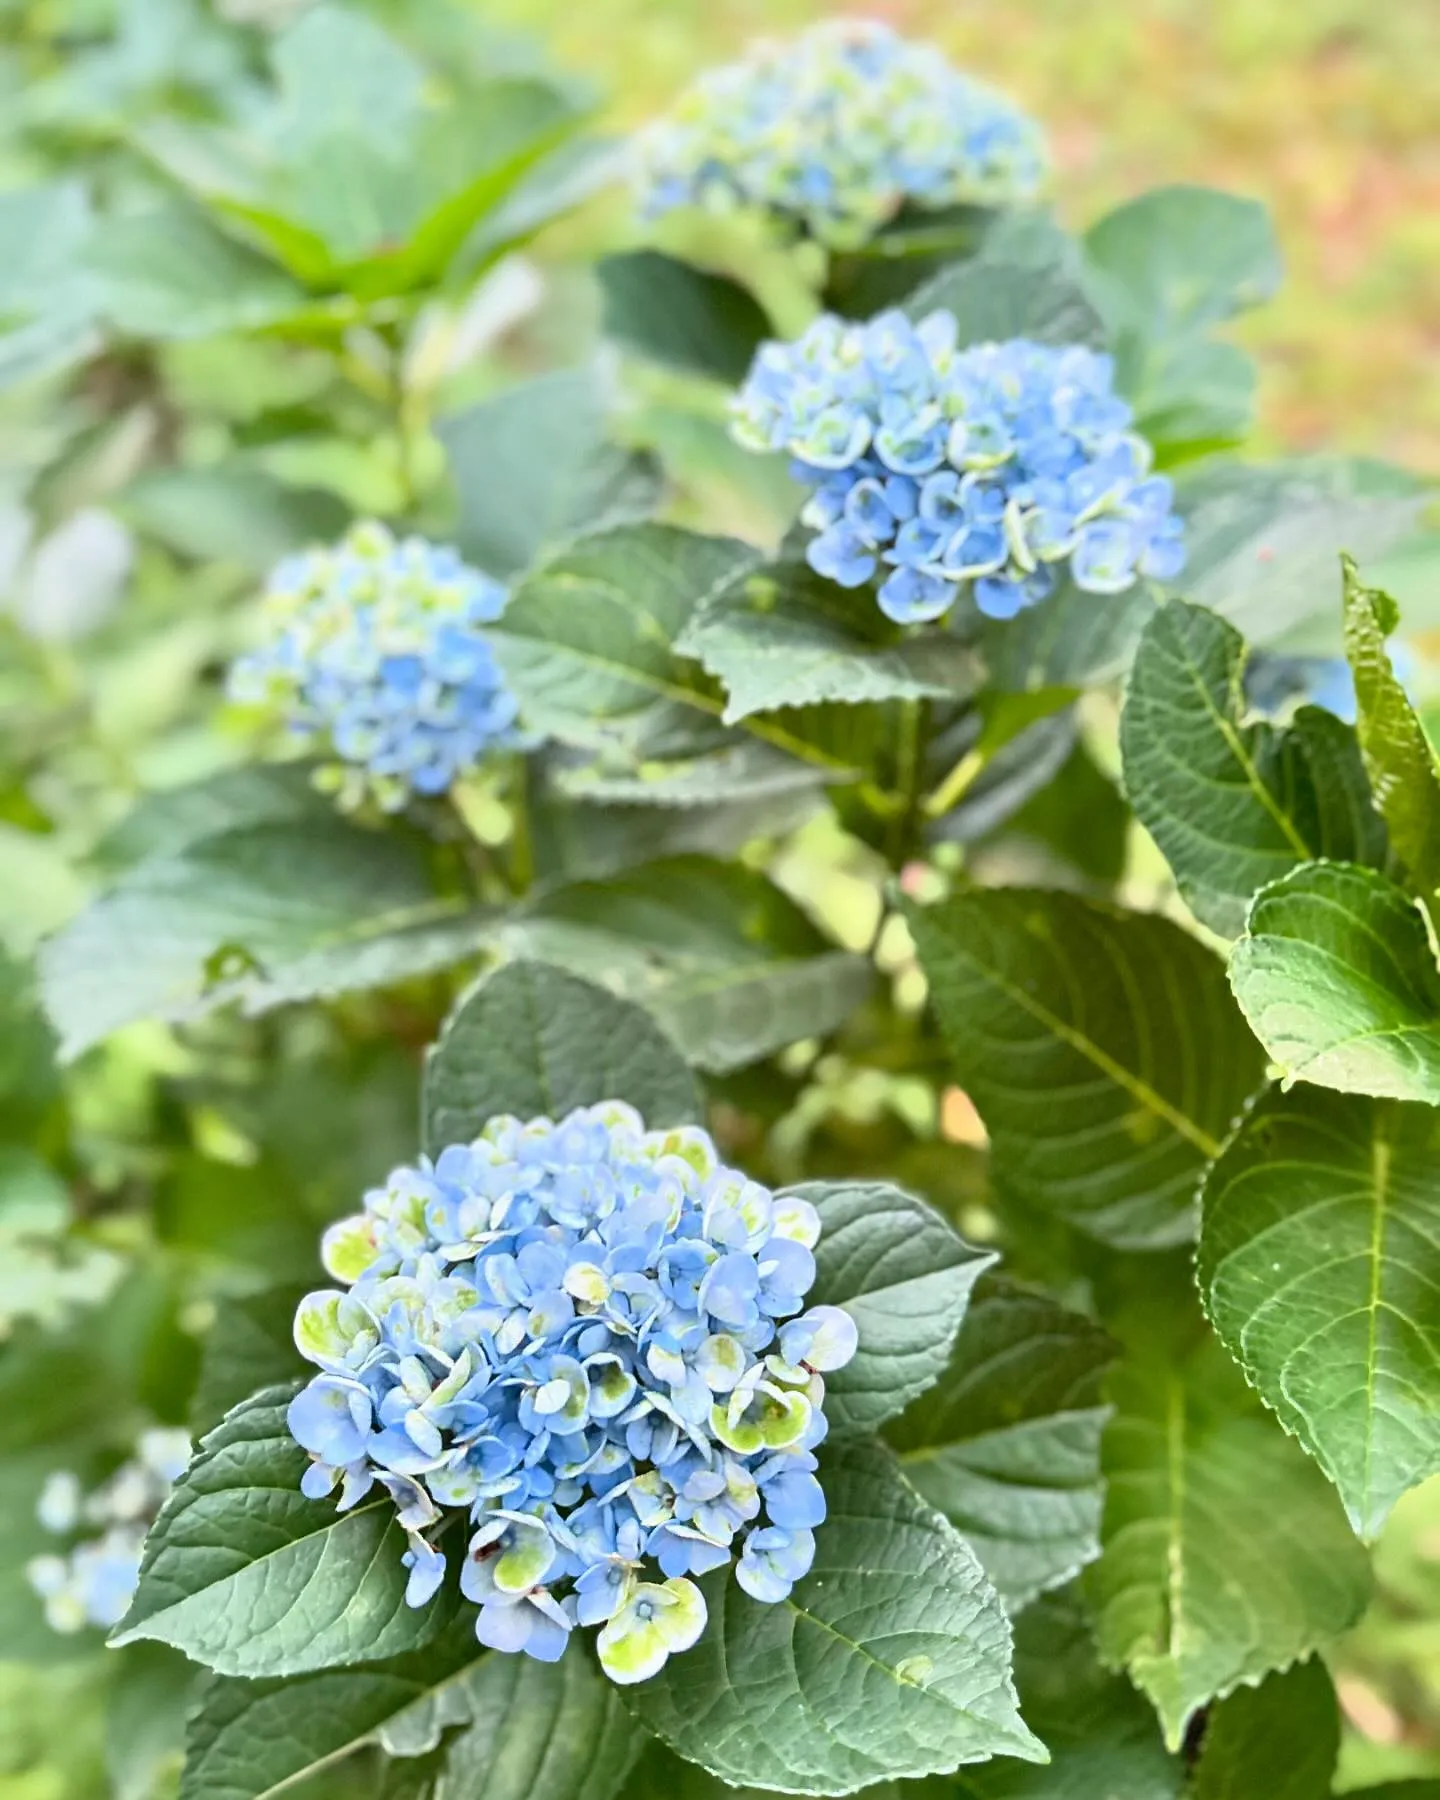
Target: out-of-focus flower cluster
376 654
92 1583
590 1339
989 470
1276 683
838 130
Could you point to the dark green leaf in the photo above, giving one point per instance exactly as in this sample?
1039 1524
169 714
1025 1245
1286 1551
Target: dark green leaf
1398 755
1337 976
1319 1262
244 1574
233 514
1100 1047
532 467
263 914
904 1275
1007 1443
531 1040
705 324
1073 639
891 1658
1002 293
783 636
1226 1554
169 820
151 1694
1234 804
1281 1740
251 1345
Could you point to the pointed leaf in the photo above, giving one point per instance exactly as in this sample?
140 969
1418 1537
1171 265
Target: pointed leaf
1281 1740
1226 1554
783 636
1337 976
904 1274
1100 1047
1232 804
891 1658
1007 1443
530 1040
1319 1265
244 1574
1402 764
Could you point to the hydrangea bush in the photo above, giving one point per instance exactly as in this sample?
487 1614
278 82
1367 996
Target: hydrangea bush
835 133
914 1260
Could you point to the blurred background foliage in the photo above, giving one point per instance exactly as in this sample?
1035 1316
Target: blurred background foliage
174 465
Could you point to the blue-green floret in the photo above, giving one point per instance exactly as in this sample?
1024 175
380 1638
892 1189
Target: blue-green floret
92 1582
591 1340
837 132
376 655
990 470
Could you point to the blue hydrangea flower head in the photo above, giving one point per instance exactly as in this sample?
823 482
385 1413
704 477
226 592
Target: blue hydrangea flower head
376 655
92 1582
592 1340
987 471
836 132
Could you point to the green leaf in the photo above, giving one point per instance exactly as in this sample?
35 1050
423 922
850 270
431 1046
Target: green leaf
1226 1554
1100 1047
1344 1345
233 514
1401 762
531 1040
1007 1443
168 820
1281 1740
783 636
1075 639
1164 269
891 1658
1234 804
168 273
729 965
1102 1736
244 1574
682 316
1337 976
250 1346
1261 543
263 914
532 467
1002 293
542 1733
904 1274
153 1691
588 639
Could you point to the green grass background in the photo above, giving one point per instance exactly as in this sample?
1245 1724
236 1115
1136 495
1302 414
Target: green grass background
1328 110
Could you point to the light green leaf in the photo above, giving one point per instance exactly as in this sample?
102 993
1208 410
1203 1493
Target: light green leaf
1007 1443
532 467
1319 1264
1226 1554
891 1658
783 636
729 965
588 639
1337 976
233 514
740 767
1102 1736
1100 1047
1281 1740
168 273
904 1274
153 1689
1164 269
531 1040
1234 804
245 1575
1400 759
1261 543
339 74
263 914
1002 293
682 316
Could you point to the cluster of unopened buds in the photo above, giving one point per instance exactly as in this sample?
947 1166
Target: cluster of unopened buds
376 655
991 469
837 132
590 1340
92 1582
